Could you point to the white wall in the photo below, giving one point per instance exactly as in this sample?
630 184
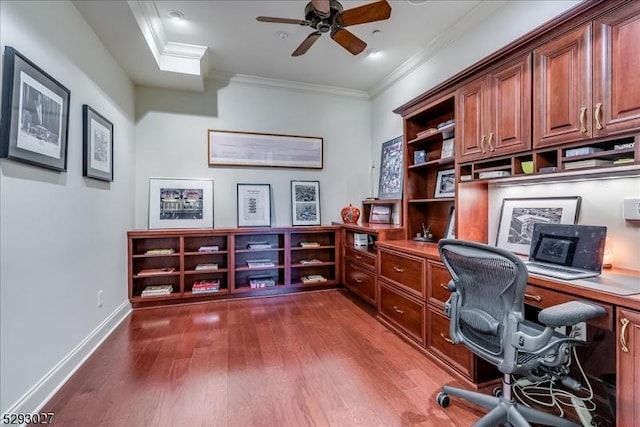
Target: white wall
62 236
171 139
601 199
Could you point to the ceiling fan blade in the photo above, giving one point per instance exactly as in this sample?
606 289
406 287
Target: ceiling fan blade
306 44
321 6
348 40
282 20
377 11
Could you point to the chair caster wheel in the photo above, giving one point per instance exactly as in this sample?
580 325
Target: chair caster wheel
497 391
443 399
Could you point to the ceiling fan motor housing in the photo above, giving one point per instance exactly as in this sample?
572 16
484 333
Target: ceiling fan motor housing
320 22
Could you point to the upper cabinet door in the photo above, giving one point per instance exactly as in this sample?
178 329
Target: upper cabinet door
471 117
510 126
562 109
616 71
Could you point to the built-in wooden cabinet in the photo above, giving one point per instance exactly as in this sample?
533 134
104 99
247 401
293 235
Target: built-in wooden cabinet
493 112
628 368
585 81
241 262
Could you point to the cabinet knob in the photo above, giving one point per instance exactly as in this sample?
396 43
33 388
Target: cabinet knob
398 269
583 120
397 310
596 115
623 335
358 281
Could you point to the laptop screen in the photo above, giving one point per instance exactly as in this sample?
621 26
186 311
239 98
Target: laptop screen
575 246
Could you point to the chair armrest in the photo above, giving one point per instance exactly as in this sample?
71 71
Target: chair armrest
570 313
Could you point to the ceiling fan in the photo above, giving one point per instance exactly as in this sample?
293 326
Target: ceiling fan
328 16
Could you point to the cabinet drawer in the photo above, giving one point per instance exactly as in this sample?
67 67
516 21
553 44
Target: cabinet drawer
402 312
360 281
455 355
360 256
438 279
542 298
404 270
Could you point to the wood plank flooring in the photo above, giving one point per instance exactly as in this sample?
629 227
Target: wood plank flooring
312 359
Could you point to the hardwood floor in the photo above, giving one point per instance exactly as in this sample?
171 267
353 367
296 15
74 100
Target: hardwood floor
313 359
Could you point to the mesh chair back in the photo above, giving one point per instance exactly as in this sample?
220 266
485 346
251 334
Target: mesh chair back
491 283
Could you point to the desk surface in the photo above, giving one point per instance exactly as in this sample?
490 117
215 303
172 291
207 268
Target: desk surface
614 286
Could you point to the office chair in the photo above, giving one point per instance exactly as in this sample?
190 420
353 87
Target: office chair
486 311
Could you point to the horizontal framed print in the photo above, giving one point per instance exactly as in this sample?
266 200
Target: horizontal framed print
97 142
445 183
254 205
390 183
180 203
305 202
231 148
518 216
35 114
380 214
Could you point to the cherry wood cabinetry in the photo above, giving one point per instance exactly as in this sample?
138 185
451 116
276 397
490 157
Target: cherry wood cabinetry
493 112
628 368
585 82
181 258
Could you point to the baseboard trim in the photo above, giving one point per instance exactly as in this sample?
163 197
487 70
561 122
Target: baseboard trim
36 397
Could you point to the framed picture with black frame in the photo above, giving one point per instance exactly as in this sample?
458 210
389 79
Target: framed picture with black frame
35 114
254 205
305 202
390 183
97 143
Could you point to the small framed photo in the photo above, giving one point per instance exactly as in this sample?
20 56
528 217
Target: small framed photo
445 183
254 205
518 216
419 157
380 214
180 203
97 142
450 232
35 114
447 149
305 202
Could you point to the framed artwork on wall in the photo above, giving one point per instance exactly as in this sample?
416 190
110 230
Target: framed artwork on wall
35 114
231 148
390 183
97 143
254 205
305 202
518 216
180 203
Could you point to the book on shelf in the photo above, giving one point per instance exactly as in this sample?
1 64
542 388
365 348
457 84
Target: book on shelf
493 174
206 267
623 161
309 244
257 263
160 251
427 132
258 245
581 151
204 286
213 248
156 290
588 163
261 282
313 278
310 261
156 271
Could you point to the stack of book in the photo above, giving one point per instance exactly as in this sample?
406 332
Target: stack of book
258 245
206 267
261 282
157 290
156 271
581 151
309 244
260 263
160 251
214 248
204 286
589 163
310 261
313 278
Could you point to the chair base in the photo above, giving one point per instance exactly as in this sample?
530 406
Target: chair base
502 411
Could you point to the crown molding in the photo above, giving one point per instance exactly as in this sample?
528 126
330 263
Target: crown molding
265 82
170 56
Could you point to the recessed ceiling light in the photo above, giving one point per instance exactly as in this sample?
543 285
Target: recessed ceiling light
175 15
417 2
376 32
282 34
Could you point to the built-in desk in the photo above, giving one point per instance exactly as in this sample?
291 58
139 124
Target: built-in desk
402 303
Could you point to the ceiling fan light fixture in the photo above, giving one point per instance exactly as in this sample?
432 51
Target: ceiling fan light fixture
175 15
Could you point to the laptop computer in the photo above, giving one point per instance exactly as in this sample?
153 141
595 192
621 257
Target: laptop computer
566 251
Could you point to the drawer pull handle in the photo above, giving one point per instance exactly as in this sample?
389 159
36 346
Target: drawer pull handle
596 115
358 281
583 120
444 286
395 307
623 332
484 151
446 338
491 149
533 297
398 269
358 257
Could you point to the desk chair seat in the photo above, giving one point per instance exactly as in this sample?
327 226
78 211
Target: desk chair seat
486 311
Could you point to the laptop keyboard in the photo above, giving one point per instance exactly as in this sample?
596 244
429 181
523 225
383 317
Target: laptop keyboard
552 268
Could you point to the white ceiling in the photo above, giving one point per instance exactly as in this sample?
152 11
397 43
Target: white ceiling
239 45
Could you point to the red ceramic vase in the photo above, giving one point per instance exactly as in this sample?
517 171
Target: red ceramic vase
350 214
